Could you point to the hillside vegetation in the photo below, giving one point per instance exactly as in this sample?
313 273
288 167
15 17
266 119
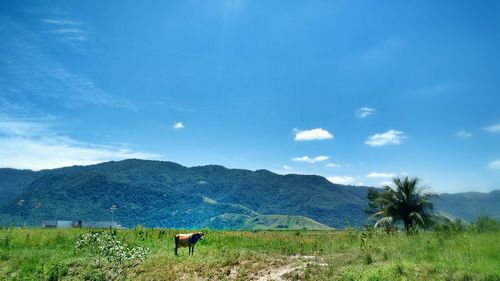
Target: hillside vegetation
166 194
155 193
265 222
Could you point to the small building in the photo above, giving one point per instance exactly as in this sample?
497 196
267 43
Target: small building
79 223
49 224
64 224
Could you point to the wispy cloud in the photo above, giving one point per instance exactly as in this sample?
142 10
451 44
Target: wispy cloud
10 107
287 168
32 78
183 109
310 160
387 138
493 128
67 31
23 128
380 175
333 165
494 164
364 112
61 21
434 90
347 180
178 125
313 134
32 145
383 51
70 36
463 134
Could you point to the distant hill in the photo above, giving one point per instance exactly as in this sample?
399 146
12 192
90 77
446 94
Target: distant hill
284 222
268 222
469 205
166 194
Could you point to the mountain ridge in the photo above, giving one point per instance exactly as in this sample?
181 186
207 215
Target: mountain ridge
167 194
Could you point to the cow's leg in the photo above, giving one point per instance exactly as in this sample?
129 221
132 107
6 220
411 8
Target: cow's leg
176 239
192 251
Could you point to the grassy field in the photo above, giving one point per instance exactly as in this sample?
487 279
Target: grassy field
50 254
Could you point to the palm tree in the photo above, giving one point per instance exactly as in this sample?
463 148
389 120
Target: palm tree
405 202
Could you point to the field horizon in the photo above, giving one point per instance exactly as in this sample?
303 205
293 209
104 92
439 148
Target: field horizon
253 255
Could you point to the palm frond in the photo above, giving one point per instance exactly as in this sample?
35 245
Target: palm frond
405 201
382 221
377 214
416 215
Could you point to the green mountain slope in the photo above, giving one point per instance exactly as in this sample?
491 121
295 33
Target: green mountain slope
268 222
13 182
166 194
284 222
89 197
469 205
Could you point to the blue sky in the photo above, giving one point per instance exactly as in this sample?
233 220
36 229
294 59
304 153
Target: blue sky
356 91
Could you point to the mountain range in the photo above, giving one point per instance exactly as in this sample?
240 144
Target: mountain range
166 194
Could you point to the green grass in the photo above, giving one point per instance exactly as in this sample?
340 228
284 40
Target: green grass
49 254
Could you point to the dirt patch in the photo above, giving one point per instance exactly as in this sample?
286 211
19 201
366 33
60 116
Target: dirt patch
279 273
295 265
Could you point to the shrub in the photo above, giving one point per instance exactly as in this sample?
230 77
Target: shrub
448 226
485 224
106 245
57 272
368 259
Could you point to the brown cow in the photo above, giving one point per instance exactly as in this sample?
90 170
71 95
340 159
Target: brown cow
187 240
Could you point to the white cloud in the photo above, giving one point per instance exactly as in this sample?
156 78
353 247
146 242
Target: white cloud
380 175
341 179
364 112
287 168
71 36
310 160
67 30
12 127
313 134
333 165
494 164
493 128
385 183
463 134
31 145
61 21
178 125
389 137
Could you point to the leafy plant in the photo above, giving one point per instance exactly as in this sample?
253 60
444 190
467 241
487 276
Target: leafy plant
405 202
485 224
105 244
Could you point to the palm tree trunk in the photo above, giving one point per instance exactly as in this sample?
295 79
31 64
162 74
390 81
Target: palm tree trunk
407 223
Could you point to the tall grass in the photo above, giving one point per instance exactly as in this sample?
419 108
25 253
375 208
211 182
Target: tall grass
49 254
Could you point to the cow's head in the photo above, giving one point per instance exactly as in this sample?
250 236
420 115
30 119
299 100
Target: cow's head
199 235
